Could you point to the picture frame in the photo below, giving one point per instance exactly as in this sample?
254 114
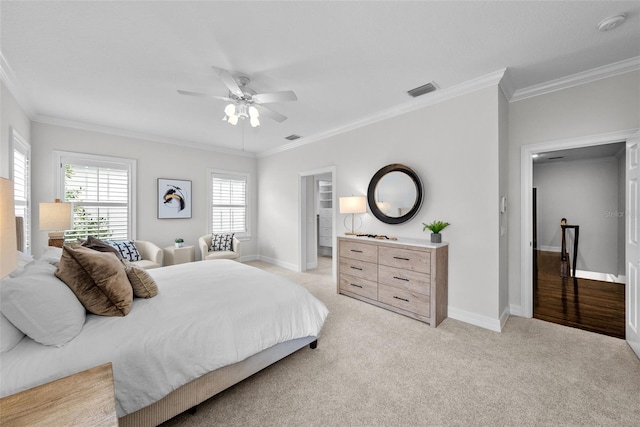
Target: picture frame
174 198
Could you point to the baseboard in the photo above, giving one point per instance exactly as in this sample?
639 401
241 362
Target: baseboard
248 258
603 277
504 317
550 248
312 265
515 310
475 319
278 263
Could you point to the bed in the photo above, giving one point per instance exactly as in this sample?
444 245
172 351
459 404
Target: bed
211 325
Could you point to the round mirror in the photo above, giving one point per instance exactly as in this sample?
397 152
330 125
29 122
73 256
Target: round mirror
395 194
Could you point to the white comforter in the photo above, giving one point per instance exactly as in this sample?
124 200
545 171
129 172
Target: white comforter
205 316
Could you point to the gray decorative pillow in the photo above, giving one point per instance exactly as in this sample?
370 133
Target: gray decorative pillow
126 248
222 242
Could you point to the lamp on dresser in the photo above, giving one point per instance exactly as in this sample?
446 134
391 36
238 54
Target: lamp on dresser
353 205
8 245
55 218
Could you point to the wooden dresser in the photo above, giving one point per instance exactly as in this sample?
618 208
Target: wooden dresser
404 276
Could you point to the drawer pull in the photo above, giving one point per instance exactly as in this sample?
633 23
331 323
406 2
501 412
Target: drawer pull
355 250
357 286
356 268
403 299
401 258
401 278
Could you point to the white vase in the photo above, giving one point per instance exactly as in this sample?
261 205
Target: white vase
179 245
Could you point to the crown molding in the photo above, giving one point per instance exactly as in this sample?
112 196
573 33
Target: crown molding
506 85
433 98
137 135
610 70
9 79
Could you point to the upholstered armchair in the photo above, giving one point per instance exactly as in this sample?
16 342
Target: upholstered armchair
204 243
152 255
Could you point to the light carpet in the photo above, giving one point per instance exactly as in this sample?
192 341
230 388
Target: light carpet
374 367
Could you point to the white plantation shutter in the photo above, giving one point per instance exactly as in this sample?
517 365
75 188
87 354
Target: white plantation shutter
21 175
228 203
100 191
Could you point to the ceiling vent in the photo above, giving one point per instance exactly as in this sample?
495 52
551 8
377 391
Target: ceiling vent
556 158
292 137
429 87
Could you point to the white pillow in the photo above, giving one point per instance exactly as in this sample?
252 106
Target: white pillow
10 336
42 306
23 260
51 255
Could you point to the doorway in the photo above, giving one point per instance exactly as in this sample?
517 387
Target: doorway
578 268
632 223
317 243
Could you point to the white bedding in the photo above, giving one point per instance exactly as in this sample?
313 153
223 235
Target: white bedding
206 315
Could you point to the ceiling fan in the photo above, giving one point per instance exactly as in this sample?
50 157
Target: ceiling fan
244 102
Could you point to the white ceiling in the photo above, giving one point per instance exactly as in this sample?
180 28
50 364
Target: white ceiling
118 64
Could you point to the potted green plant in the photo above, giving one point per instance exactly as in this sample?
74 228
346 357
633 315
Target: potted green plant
179 242
436 227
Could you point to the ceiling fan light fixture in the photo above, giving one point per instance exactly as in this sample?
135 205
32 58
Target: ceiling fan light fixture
254 122
230 110
233 119
253 112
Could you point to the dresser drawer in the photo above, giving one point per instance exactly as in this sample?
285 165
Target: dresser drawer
357 268
405 258
400 298
359 286
325 231
357 250
408 280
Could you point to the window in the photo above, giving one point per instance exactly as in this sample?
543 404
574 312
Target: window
102 192
21 176
228 192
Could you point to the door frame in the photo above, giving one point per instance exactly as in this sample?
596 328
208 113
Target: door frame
302 216
526 191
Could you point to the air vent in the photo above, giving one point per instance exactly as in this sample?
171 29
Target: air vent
556 158
429 87
292 137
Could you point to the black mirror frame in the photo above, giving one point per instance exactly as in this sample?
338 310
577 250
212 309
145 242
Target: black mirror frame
395 167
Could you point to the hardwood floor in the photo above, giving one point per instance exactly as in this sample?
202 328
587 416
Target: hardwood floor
591 305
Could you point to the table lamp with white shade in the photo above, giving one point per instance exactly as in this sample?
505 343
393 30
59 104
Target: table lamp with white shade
55 218
8 241
353 205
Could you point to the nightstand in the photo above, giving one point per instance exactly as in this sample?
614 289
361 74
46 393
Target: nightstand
173 255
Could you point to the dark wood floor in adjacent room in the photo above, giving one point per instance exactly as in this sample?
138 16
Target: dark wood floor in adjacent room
591 305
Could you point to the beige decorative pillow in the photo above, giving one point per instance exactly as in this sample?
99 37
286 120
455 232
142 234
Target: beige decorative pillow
98 279
142 283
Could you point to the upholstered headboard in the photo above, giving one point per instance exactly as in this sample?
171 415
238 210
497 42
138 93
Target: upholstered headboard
20 233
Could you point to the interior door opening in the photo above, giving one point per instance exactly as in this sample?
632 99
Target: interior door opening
578 238
317 222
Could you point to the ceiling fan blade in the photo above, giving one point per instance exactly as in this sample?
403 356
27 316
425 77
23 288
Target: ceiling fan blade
206 95
268 112
265 98
229 81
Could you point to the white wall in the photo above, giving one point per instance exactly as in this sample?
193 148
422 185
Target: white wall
11 117
586 193
154 160
453 147
602 106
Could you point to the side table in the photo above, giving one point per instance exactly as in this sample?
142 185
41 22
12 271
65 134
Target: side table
173 255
